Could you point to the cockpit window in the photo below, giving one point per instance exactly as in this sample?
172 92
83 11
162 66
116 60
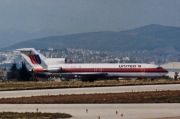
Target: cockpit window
159 67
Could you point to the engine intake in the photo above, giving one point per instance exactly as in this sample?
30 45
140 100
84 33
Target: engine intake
54 70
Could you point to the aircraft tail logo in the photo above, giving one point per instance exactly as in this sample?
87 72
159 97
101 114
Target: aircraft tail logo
35 59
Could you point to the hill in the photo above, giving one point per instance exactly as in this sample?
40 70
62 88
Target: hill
148 37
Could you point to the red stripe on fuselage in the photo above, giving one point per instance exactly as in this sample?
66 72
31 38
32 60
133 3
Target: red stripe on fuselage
148 70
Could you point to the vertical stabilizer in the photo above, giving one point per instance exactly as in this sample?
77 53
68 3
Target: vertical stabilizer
33 57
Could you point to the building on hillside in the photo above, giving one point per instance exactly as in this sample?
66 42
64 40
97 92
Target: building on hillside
3 75
173 68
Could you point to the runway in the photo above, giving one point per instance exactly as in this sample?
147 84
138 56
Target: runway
114 89
104 111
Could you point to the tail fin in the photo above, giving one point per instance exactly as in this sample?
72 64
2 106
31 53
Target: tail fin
39 62
33 57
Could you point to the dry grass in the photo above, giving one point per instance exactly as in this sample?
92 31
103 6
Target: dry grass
129 97
74 84
28 115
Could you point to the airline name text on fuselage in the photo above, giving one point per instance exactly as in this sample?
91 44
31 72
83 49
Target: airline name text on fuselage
129 66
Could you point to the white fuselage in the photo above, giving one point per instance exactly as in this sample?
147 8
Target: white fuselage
112 69
60 66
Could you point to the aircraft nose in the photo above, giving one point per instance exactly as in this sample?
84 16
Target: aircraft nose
166 71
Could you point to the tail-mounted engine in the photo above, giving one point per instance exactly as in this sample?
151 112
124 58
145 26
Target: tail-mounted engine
50 70
54 70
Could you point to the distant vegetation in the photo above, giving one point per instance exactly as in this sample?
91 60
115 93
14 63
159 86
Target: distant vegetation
19 74
28 115
128 97
78 84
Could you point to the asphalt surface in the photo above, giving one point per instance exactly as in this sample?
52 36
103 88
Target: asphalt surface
104 111
115 89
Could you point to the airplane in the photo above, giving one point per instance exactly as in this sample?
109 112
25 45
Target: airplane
89 71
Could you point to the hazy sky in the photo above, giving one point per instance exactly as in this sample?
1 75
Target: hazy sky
75 16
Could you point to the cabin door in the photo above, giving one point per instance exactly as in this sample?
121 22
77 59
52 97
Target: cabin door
142 69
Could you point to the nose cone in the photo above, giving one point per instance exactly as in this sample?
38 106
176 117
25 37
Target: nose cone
165 71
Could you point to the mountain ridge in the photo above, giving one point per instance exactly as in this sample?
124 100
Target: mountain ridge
149 37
